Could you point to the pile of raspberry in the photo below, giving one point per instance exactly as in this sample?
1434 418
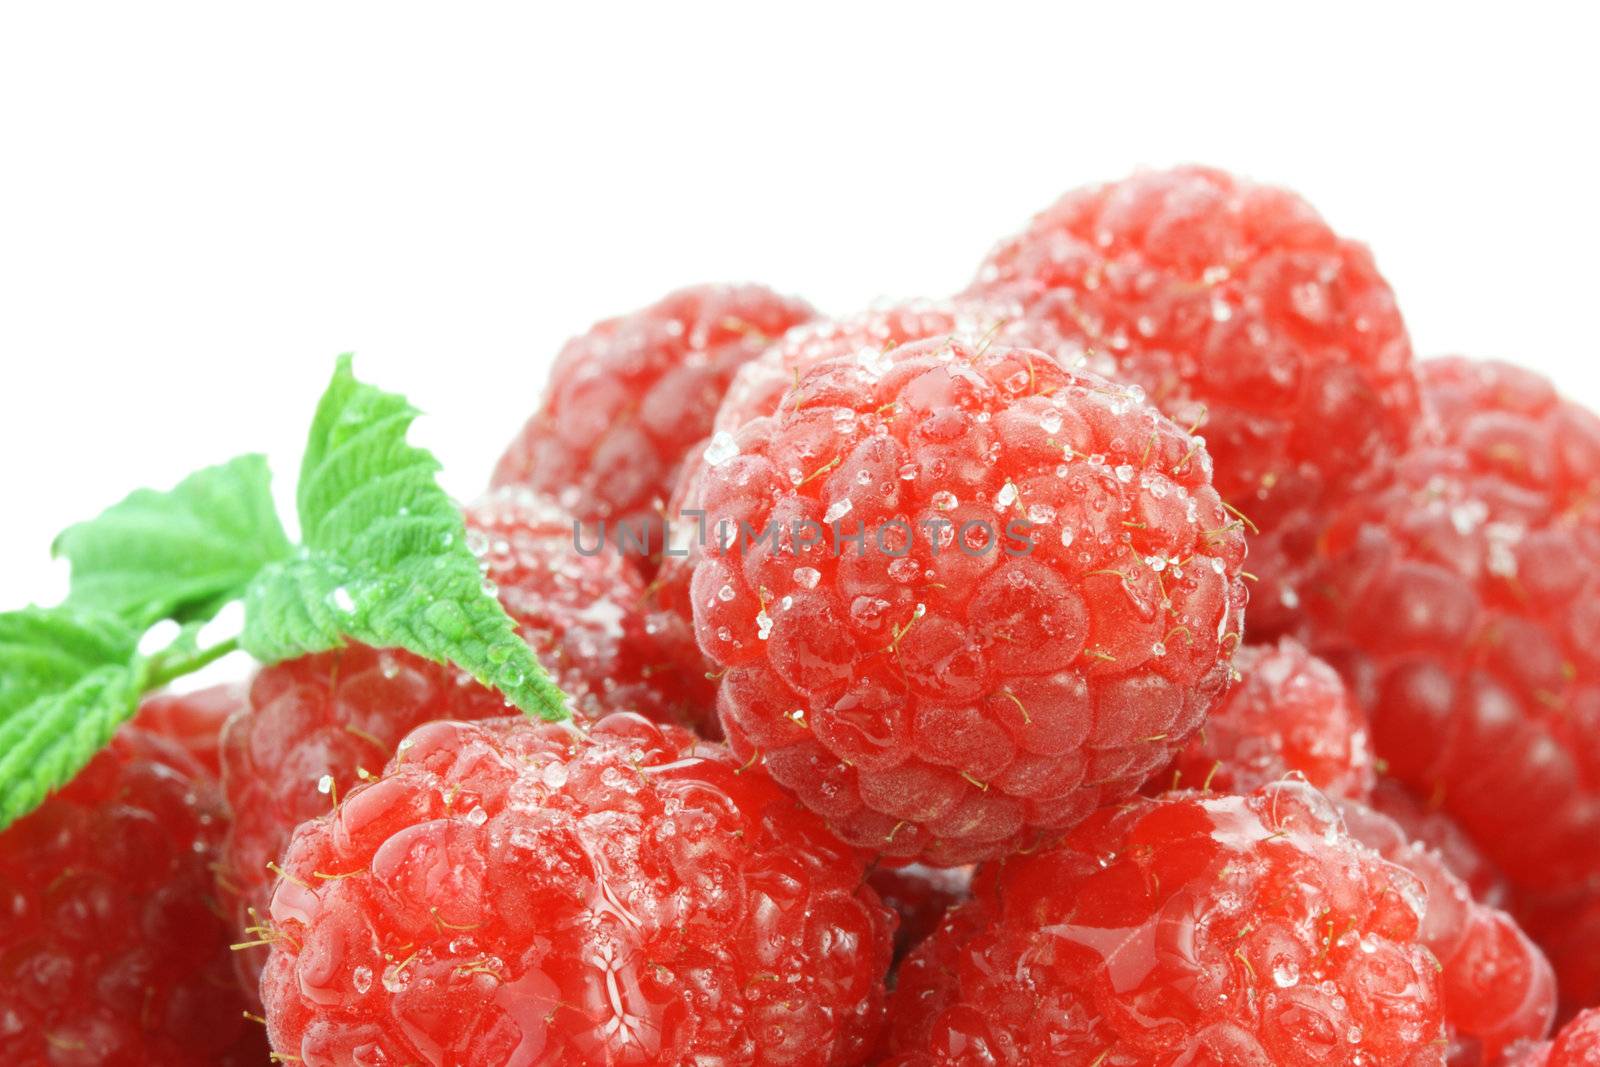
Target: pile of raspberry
1136 659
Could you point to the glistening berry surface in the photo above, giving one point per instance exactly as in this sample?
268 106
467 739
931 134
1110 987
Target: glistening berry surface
314 726
512 893
1239 310
627 400
1462 601
935 689
113 951
1498 988
1186 929
1287 712
1577 1045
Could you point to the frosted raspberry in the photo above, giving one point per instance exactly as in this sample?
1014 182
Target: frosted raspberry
1288 712
919 896
194 721
582 606
627 399
1462 602
1577 1045
1186 929
1498 988
510 893
1436 831
1235 307
314 729
939 693
112 949
314 726
759 387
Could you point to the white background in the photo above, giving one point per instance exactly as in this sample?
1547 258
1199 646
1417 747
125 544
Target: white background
200 205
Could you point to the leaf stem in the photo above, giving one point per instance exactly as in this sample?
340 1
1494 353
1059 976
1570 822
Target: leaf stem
171 664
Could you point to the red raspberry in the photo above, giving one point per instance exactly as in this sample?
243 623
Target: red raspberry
760 385
510 893
629 398
582 607
1567 926
1462 602
1289 712
1498 988
1435 830
933 695
314 726
1233 305
112 950
1577 1045
1185 929
194 721
919 896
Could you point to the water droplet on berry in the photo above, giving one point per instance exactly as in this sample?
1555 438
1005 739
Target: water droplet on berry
721 449
837 510
808 577
945 500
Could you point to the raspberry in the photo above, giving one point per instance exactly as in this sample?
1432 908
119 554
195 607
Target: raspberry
1185 929
1567 926
759 386
1288 712
627 399
1577 1045
919 896
582 607
316 727
1436 831
194 721
1233 305
1461 599
935 693
511 893
1498 988
112 953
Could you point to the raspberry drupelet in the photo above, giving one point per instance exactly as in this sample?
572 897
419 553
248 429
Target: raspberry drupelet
1461 600
113 950
1287 712
1498 988
627 400
1185 929
1040 605
314 726
517 894
1238 310
1291 715
194 721
1577 1045
759 386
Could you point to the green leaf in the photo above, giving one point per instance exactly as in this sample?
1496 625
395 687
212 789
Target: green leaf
44 650
178 554
46 744
385 559
68 678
